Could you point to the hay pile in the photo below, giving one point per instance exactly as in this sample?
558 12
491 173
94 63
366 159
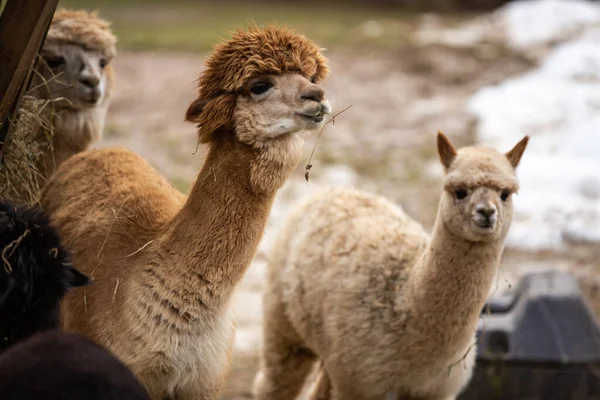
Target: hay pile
28 142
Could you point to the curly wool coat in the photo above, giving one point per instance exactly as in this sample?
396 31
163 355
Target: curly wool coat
34 276
271 50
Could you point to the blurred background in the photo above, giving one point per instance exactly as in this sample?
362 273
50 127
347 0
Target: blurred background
485 72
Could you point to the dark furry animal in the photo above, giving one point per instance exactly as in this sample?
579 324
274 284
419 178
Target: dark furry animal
37 361
35 274
65 366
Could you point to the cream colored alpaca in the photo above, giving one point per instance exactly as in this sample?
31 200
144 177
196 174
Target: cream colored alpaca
164 266
357 284
75 72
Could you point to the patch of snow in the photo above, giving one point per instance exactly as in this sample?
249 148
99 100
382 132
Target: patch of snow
520 25
578 60
534 22
558 105
488 28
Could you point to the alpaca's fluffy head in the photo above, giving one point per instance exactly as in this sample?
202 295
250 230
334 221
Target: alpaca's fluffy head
263 81
477 200
35 273
75 61
59 365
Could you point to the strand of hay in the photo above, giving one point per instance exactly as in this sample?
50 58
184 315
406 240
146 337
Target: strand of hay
28 142
309 165
12 246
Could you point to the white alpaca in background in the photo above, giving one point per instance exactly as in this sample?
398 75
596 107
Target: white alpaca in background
390 311
75 72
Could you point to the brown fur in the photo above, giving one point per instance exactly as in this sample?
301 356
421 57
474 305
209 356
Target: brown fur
165 266
247 54
83 29
446 151
514 156
389 310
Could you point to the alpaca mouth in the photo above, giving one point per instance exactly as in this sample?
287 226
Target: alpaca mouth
485 224
315 118
91 99
90 96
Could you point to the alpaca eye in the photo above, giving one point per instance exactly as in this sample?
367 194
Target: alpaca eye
54 62
260 87
103 63
460 194
313 80
504 195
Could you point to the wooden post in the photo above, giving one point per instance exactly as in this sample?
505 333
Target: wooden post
23 28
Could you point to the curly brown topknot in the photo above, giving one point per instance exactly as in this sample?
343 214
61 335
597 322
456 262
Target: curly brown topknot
84 29
271 50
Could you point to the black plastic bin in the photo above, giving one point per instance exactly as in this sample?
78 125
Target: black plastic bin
538 341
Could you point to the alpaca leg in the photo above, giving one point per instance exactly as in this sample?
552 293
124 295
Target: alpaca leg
283 372
285 361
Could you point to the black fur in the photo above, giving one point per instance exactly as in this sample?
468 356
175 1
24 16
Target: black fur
35 274
65 366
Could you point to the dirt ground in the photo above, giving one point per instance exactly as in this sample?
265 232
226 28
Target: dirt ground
384 143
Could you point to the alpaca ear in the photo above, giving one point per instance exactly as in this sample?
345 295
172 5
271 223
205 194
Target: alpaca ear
514 156
195 109
75 278
446 151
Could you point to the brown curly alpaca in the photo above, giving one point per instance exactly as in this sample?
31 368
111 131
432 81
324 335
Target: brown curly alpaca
164 265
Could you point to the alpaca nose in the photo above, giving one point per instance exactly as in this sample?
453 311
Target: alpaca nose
486 211
315 94
485 215
89 81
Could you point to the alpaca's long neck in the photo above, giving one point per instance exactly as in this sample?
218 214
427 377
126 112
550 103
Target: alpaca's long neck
74 132
212 240
451 283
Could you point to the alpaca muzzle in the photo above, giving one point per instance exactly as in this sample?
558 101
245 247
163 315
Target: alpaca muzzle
485 216
317 113
325 106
